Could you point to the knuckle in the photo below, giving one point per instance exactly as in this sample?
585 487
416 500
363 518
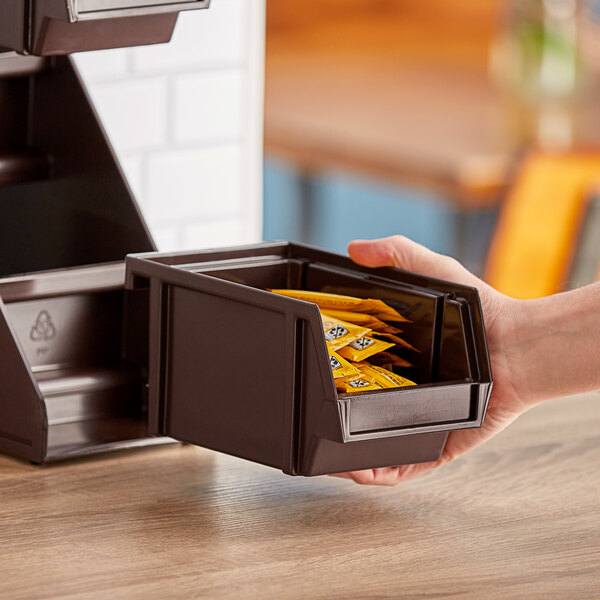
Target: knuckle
399 238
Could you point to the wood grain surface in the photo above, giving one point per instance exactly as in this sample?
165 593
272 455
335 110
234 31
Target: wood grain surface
517 518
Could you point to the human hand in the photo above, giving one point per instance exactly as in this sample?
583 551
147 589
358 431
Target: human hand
508 400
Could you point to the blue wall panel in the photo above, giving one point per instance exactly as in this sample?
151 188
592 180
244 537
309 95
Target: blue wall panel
342 208
346 209
331 210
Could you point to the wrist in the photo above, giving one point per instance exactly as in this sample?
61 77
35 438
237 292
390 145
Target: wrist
519 335
508 337
551 344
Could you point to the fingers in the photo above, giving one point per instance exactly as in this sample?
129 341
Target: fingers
402 253
398 251
385 476
389 476
374 253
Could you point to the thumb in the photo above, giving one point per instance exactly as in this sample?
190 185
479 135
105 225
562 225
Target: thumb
402 253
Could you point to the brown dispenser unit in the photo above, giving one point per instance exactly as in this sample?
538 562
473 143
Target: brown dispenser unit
67 220
186 346
244 371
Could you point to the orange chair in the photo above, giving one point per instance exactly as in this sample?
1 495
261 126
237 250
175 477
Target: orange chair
537 234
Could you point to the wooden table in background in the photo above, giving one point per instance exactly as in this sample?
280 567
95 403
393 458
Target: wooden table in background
517 518
400 91
401 94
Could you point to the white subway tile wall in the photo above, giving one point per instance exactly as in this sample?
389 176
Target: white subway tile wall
198 183
185 119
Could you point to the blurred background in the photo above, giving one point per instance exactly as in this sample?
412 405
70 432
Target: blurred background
472 127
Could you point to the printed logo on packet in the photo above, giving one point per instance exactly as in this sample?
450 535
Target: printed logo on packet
335 363
358 383
362 343
337 331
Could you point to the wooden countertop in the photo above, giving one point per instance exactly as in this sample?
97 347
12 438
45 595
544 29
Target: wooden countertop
518 518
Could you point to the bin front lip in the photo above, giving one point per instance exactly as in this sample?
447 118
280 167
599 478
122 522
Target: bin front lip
415 430
344 401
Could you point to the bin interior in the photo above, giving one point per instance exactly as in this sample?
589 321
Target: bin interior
438 328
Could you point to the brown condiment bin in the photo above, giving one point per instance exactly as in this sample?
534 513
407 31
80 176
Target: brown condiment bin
244 371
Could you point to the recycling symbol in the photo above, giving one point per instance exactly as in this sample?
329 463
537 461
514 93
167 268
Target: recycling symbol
43 329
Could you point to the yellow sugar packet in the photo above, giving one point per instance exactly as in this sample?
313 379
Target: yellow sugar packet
383 377
362 348
396 339
370 374
340 367
327 301
385 312
364 319
387 360
339 333
359 384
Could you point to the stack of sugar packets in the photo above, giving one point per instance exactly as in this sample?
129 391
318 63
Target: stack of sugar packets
359 339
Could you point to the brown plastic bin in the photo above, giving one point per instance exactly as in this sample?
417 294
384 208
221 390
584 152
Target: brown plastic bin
244 371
